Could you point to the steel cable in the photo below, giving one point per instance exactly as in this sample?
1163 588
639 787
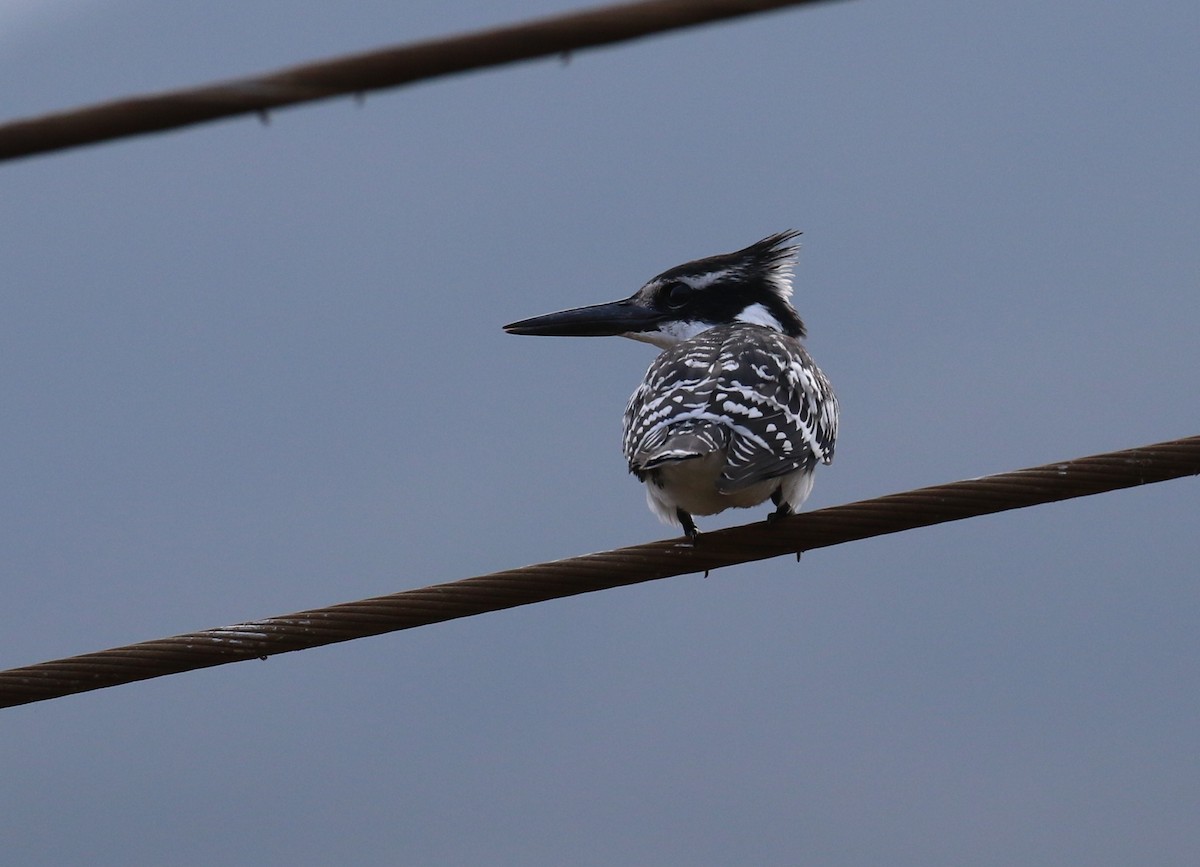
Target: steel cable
360 73
543 581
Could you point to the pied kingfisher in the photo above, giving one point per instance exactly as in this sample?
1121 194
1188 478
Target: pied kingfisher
734 410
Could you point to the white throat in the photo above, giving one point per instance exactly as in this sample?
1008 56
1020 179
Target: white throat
669 333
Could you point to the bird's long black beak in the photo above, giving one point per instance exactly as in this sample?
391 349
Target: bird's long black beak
598 320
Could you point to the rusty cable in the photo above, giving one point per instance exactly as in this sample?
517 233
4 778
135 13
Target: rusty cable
543 581
358 74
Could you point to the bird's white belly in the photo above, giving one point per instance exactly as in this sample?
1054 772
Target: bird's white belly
691 485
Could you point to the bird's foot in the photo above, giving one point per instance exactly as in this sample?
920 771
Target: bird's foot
689 526
782 511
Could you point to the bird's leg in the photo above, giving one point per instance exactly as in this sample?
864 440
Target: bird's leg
689 529
689 526
782 509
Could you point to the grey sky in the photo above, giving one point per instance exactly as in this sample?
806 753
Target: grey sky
250 369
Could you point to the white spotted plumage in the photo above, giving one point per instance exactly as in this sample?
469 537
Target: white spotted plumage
729 418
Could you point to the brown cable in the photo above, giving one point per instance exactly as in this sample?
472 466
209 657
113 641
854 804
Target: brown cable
832 526
360 73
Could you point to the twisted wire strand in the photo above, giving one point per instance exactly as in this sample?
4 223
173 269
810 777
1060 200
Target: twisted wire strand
543 581
374 70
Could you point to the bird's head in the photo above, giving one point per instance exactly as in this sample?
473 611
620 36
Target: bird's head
753 285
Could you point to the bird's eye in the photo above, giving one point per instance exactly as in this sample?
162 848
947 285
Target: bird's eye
678 294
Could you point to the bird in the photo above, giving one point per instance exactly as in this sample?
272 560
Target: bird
734 411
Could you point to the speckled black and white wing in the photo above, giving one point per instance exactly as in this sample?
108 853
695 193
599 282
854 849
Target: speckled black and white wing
745 392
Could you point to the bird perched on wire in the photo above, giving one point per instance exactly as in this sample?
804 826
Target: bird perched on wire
734 411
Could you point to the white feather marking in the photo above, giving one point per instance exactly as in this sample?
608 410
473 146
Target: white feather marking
703 281
757 314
